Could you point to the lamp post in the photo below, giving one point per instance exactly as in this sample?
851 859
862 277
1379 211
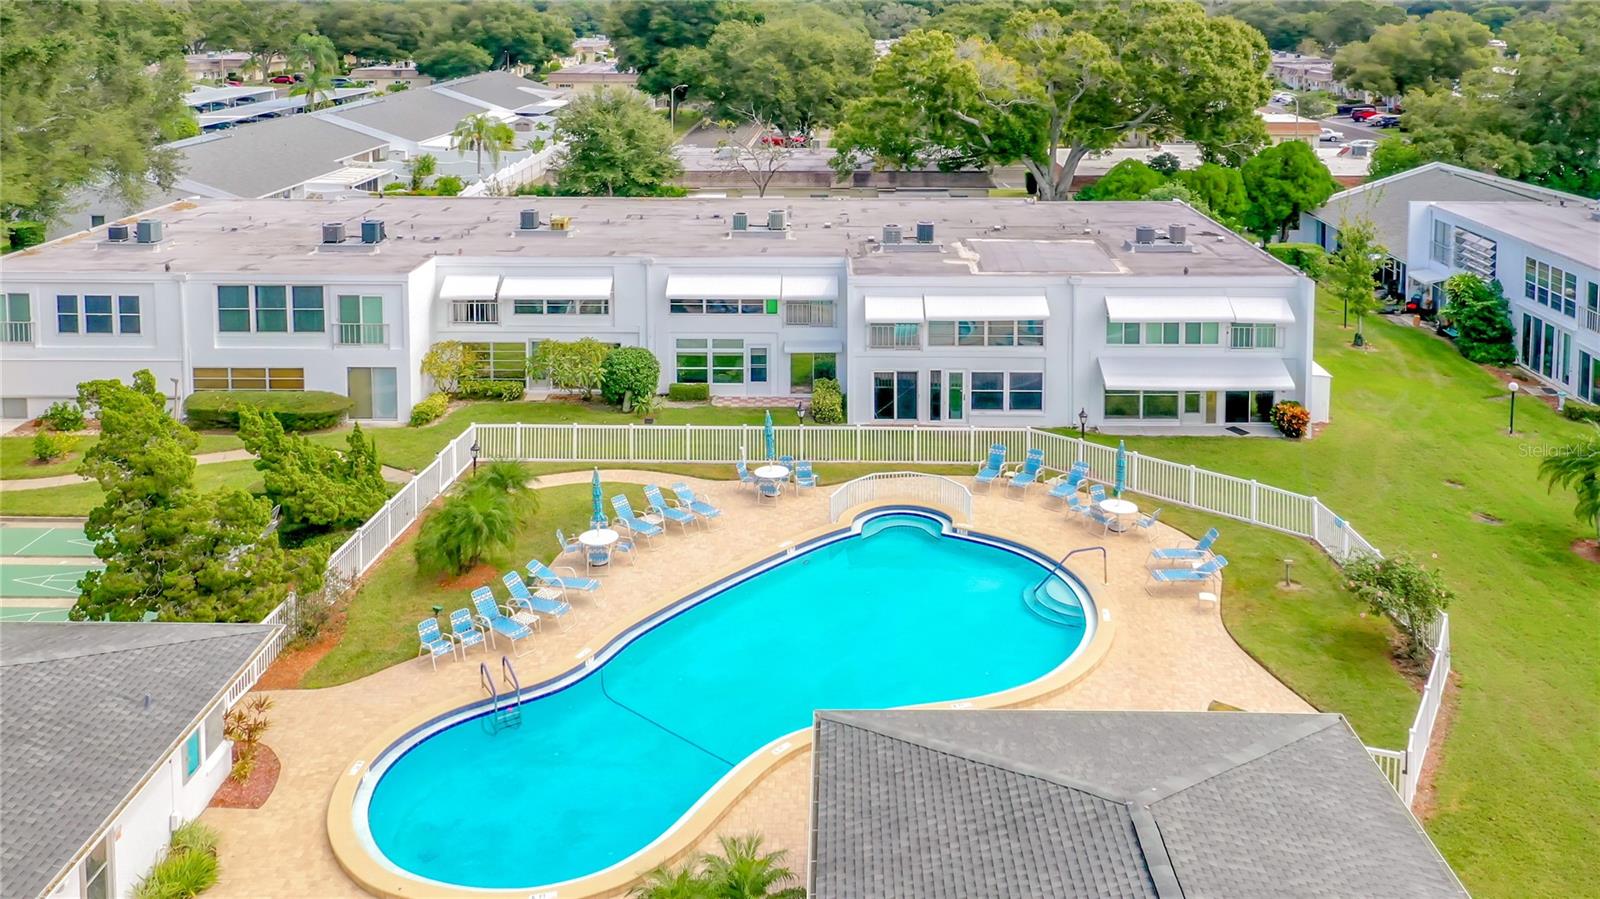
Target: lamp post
473 449
1511 426
1083 423
672 107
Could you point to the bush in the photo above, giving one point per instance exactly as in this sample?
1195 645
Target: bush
570 365
195 836
23 234
449 363
1574 410
144 382
1482 319
470 525
484 389
1409 594
1307 257
180 875
296 410
64 416
689 393
48 447
448 185
628 370
429 409
1290 418
827 402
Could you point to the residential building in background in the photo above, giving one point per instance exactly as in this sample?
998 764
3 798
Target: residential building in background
383 77
590 76
217 65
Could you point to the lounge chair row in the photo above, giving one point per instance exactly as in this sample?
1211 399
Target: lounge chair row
685 509
516 619
1197 564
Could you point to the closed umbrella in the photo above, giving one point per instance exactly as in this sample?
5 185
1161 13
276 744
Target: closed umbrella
771 436
598 519
1122 469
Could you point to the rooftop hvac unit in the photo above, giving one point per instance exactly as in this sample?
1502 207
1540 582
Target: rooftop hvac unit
1178 233
777 220
117 233
528 220
148 231
741 221
560 222
372 231
891 234
333 232
1144 234
924 232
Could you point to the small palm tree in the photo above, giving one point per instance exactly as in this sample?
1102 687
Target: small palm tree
684 882
1577 467
422 168
469 526
481 134
743 871
511 480
319 61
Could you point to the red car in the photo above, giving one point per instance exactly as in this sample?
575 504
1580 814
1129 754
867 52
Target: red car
778 140
1361 115
282 79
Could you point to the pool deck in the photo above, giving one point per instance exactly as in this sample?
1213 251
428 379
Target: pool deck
1169 651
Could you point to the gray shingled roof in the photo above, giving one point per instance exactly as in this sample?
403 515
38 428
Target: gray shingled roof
415 115
504 89
264 158
1002 804
87 711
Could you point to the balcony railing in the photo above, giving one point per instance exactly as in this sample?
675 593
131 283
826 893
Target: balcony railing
815 313
474 312
17 332
356 334
1591 319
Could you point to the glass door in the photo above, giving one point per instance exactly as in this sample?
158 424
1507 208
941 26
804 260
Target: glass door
955 393
935 395
375 393
894 395
756 369
1194 407
1236 406
806 368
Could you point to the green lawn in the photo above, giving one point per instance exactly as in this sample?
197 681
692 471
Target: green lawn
79 499
1518 802
16 455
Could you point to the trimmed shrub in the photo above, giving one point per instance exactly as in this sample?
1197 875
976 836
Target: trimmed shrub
180 875
628 370
296 410
1576 410
1307 257
827 402
1290 418
689 393
64 416
48 447
1482 319
429 409
485 389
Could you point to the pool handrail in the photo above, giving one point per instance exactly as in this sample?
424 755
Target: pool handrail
1105 564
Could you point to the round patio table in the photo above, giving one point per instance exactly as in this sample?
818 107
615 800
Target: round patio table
1118 508
772 472
599 538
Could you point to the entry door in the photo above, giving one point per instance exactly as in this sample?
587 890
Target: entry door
756 369
1194 407
955 395
1236 406
374 392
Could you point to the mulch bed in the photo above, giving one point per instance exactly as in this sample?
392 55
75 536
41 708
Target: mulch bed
290 668
1587 549
253 792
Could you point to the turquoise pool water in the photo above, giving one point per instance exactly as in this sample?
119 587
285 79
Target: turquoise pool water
896 616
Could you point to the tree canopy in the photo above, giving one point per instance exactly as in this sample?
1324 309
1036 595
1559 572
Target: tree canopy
616 146
1438 48
315 486
645 33
452 59
1129 179
1282 182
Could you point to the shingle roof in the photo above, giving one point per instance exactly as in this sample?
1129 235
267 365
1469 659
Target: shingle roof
979 804
501 88
415 115
87 711
265 158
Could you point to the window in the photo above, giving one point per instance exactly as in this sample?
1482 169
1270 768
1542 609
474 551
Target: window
67 314
727 361
1548 285
1143 404
1156 333
805 368
97 871
1122 404
128 315
988 391
96 221
693 363
1159 404
309 312
474 312
1439 250
17 319
560 307
758 365
1026 392
1202 333
903 336
191 756
233 308
213 728
361 320
1027 332
97 314
272 309
1191 402
500 361
1122 333
249 379
723 307
894 395
1254 336
808 312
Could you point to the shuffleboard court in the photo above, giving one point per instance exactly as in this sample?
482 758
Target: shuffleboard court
54 581
59 541
29 613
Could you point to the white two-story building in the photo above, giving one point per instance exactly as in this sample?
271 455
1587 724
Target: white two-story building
1546 257
1139 316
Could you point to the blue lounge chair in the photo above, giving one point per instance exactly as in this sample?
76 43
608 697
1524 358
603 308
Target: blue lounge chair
1203 574
1200 552
465 632
523 598
804 477
636 526
745 477
667 509
433 643
1028 474
568 547
492 619
697 505
992 467
1068 484
1077 507
550 577
1148 524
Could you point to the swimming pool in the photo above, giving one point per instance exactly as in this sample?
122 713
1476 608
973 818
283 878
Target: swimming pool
894 611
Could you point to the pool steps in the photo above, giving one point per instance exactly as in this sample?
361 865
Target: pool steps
1055 602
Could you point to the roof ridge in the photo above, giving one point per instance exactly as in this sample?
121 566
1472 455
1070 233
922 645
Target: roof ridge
7 663
1229 761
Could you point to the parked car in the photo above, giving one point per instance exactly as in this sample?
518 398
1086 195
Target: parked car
1330 136
281 79
1282 98
779 140
1361 114
1386 120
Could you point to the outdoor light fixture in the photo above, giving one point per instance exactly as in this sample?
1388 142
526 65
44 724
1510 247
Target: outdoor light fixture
800 409
1287 565
1511 426
473 449
1083 423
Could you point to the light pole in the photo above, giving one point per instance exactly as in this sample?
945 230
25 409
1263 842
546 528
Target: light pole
1083 423
473 449
672 107
1511 426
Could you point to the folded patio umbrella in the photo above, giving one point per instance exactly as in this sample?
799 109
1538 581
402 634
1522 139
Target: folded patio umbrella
771 437
598 518
1122 469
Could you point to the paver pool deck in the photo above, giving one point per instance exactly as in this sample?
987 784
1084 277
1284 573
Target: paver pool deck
1168 651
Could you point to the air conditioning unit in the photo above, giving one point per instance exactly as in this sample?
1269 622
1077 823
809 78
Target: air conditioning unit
741 221
117 233
528 220
148 231
560 222
372 231
333 232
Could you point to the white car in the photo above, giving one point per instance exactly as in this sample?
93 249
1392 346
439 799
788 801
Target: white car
1330 136
1282 99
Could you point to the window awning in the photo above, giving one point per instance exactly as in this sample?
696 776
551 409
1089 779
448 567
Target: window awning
1274 310
1209 372
1427 274
557 288
1168 309
724 287
469 287
947 307
893 310
810 287
812 346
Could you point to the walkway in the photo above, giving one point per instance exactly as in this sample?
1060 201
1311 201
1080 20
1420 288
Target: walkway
393 475
1169 652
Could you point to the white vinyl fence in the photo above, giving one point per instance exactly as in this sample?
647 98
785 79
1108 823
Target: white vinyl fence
910 486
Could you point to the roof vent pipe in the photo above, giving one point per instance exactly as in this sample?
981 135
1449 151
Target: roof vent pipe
777 220
741 221
891 234
333 232
1178 233
924 232
528 220
1144 234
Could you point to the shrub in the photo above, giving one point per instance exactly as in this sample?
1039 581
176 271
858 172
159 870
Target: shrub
1574 410
1290 418
1482 318
449 363
429 409
469 526
144 382
689 393
23 233
447 185
64 416
180 875
244 724
628 370
647 405
1307 257
485 389
510 481
570 365
827 402
296 410
195 836
48 447
1408 593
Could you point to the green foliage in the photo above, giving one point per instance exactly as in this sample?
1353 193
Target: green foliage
448 363
64 416
374 32
22 234
296 410
1392 156
472 524
1482 318
510 33
317 487
48 447
689 393
318 62
420 168
482 134
429 409
1290 418
1411 595
144 382
1174 191
452 59
1349 275
1291 26
513 482
1576 467
194 836
1165 164
616 146
1307 257
1437 48
486 389
575 366
895 20
1129 179
263 28
741 871
179 875
1577 410
1281 182
646 35
448 186
1315 104
1219 188
827 402
629 370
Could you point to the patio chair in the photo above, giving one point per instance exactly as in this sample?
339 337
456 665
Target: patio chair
804 477
1096 515
1204 574
1147 523
1027 475
549 577
496 622
669 510
1097 494
1200 552
432 643
698 505
1077 508
1067 485
992 466
769 489
635 525
465 633
787 462
745 477
522 598
568 547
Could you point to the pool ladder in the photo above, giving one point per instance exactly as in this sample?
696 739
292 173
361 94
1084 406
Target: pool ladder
1047 603
507 706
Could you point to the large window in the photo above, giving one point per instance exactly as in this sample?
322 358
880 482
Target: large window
266 308
309 313
272 308
89 314
249 379
717 361
1254 336
693 362
1161 405
1122 333
1164 333
1024 332
727 361
500 361
1025 391
1159 333
233 308
1202 333
560 307
1548 285
894 395
988 391
361 320
1439 249
902 336
723 307
806 368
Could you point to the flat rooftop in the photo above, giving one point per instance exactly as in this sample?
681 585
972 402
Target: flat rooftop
1566 229
973 236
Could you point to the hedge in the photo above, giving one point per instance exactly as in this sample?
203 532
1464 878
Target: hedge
430 408
296 410
1574 410
689 393
484 389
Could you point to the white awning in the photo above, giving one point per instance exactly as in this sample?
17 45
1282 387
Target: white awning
893 310
554 288
948 307
1168 309
1274 310
1209 372
1427 274
813 346
724 287
810 287
349 176
469 287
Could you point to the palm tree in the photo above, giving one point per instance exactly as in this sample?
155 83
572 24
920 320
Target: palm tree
481 133
743 871
319 61
422 168
684 882
1577 467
